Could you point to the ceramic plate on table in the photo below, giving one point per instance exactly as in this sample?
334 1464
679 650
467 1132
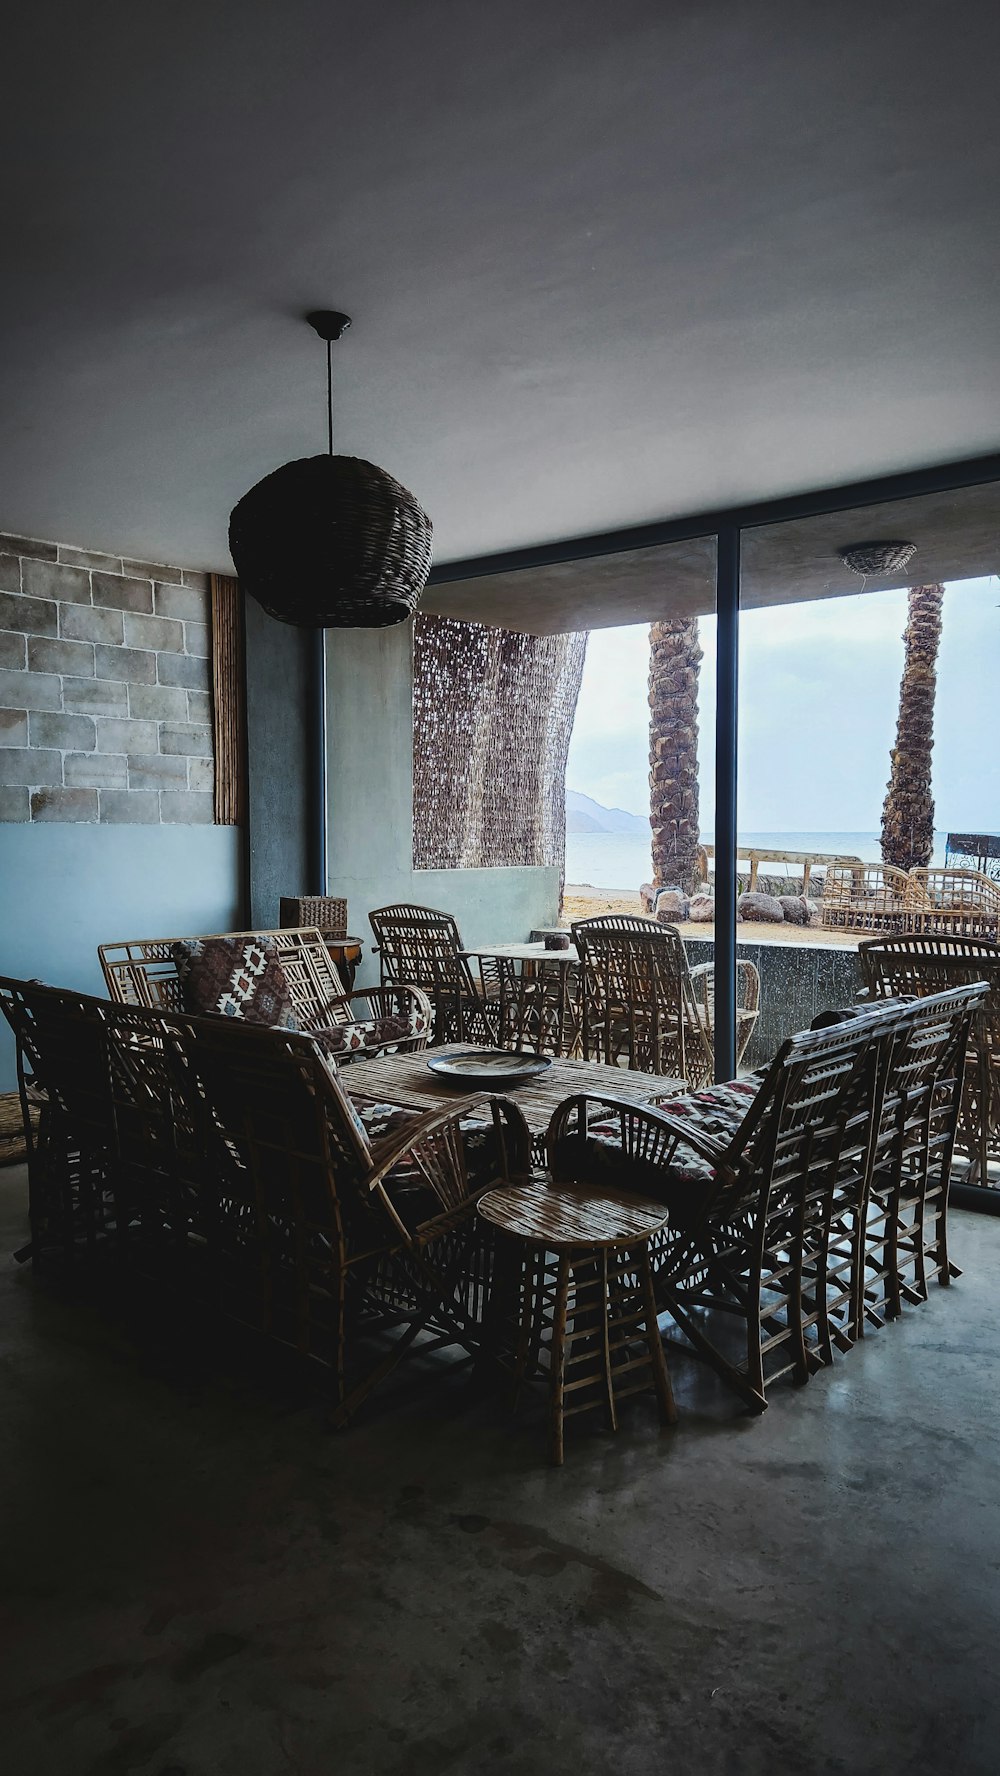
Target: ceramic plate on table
495 1068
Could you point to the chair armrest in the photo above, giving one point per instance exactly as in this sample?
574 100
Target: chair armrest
652 1122
747 986
391 1001
425 1132
700 969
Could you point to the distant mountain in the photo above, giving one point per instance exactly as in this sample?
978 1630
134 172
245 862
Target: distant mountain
584 815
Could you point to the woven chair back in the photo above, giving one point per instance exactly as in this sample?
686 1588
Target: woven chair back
928 962
932 963
809 1118
170 1161
62 1044
283 1210
421 947
958 890
280 1108
821 1109
922 1110
638 998
142 971
959 901
62 1059
871 897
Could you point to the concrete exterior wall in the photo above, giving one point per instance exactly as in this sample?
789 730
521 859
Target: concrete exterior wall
65 888
370 761
797 982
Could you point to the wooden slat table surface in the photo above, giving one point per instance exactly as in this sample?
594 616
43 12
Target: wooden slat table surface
525 952
406 1080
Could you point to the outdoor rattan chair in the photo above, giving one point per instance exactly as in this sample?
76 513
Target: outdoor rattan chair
960 903
145 972
420 947
871 897
641 999
926 963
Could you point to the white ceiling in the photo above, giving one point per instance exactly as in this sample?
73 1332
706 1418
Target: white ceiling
606 263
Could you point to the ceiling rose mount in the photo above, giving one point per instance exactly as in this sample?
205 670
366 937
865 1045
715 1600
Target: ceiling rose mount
331 542
329 323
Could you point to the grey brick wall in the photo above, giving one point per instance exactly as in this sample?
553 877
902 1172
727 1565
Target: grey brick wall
105 688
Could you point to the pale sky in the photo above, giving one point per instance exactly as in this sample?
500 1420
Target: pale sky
819 688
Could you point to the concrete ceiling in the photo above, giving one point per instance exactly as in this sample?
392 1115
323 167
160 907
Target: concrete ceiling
957 537
607 264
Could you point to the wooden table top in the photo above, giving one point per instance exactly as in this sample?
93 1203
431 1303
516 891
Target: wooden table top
525 952
407 1080
571 1215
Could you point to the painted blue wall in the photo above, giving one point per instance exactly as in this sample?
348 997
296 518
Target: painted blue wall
65 888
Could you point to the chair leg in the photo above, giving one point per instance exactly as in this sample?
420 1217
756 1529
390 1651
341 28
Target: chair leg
558 1362
604 1334
529 1326
657 1354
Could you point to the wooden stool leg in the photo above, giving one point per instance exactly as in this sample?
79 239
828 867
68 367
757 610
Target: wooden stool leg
558 1362
604 1334
532 1281
657 1354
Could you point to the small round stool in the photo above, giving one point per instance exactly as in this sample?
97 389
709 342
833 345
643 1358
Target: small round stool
596 1299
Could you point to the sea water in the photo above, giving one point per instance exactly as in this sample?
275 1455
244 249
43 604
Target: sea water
624 860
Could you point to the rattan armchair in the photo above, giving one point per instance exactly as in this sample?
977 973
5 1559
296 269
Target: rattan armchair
871 897
144 972
927 963
641 999
353 1236
960 902
421 947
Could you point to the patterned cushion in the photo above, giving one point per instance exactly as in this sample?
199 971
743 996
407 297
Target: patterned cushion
370 1033
239 977
717 1112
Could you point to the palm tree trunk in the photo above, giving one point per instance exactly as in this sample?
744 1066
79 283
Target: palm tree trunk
908 811
674 658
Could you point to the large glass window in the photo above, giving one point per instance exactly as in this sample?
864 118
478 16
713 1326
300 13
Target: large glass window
864 740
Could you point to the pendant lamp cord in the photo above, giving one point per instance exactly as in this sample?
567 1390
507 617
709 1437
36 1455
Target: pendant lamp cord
329 396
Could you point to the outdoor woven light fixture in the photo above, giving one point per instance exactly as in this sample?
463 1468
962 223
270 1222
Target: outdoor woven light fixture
878 558
331 542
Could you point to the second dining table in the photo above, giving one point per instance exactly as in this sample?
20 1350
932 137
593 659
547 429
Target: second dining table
538 993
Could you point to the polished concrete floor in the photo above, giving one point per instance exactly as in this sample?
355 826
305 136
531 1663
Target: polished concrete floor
201 1580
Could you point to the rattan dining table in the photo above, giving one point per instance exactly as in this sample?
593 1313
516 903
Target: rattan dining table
407 1081
538 990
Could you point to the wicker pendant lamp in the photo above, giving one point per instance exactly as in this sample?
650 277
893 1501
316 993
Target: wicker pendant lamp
331 542
878 558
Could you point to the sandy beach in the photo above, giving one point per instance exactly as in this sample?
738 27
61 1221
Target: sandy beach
581 901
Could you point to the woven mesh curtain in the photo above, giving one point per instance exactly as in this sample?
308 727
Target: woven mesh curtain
492 720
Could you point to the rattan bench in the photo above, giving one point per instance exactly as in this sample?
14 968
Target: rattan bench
143 971
804 1202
